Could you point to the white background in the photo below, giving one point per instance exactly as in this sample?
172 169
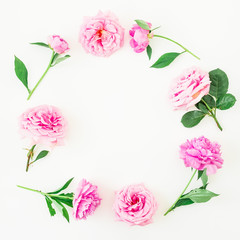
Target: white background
122 129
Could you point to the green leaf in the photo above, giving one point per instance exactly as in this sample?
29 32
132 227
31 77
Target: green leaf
142 24
62 198
226 101
63 187
149 51
210 101
199 195
219 83
42 154
192 118
56 55
41 44
50 208
202 107
204 177
165 60
183 202
61 208
58 60
21 72
199 174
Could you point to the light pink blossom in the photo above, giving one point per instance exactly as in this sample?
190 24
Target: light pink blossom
140 38
101 35
200 153
58 44
86 200
43 124
135 205
189 88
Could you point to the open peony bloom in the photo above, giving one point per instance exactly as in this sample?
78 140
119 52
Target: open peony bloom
135 205
140 38
189 88
86 200
200 153
58 44
101 35
43 124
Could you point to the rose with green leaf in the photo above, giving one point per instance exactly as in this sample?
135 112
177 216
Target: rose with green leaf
204 157
58 46
141 33
205 91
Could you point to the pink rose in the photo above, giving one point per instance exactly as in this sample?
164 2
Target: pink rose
189 88
140 38
43 124
200 153
86 200
58 44
135 205
101 35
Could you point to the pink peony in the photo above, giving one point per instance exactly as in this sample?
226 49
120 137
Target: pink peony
135 205
101 35
43 124
58 44
140 38
86 200
200 153
189 88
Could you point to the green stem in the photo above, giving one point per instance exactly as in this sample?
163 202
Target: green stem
30 155
171 208
169 39
30 189
39 81
213 114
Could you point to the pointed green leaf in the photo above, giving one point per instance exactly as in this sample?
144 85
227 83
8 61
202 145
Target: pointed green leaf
58 60
63 187
142 24
62 198
40 44
192 118
219 83
50 208
199 174
165 60
204 177
226 101
21 72
42 154
202 107
56 55
183 202
61 208
149 51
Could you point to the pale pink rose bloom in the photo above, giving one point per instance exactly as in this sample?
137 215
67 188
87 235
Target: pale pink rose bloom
58 44
101 35
200 153
86 200
135 205
189 88
43 124
140 38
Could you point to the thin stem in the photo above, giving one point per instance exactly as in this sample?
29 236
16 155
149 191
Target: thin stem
213 114
30 189
169 39
48 67
30 155
170 209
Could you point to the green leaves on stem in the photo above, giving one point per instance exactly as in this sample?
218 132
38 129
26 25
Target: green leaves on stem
53 199
22 73
165 60
218 98
30 156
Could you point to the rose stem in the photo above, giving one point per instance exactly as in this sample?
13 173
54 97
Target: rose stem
170 209
213 115
48 67
177 44
30 155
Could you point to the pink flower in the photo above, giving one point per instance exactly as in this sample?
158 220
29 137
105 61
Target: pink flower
101 35
200 154
135 205
140 38
86 200
189 88
58 44
43 124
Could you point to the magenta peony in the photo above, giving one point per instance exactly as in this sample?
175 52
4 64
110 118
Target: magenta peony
58 44
86 200
43 124
135 205
200 153
140 38
101 35
189 88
